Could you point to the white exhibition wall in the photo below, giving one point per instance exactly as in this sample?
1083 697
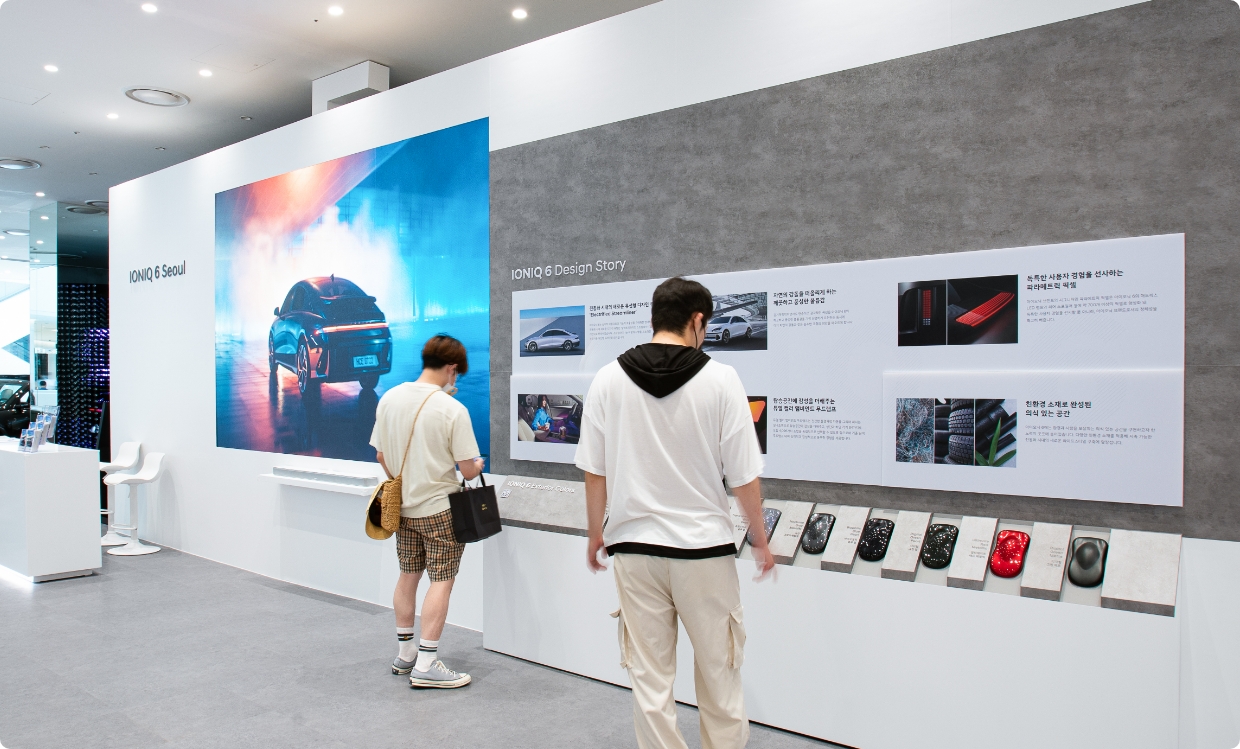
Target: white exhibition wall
212 503
670 54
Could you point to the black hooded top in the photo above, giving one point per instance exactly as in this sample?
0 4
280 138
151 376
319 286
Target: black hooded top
662 368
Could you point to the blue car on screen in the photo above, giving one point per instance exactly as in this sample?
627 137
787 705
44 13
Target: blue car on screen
329 330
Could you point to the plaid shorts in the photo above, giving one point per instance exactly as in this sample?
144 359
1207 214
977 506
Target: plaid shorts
429 544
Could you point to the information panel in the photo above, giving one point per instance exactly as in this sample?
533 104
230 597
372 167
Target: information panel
1054 370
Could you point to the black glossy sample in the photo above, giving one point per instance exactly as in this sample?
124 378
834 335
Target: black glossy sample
936 553
817 531
1088 563
874 539
770 518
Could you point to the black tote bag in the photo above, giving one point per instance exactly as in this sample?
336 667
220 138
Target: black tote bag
475 512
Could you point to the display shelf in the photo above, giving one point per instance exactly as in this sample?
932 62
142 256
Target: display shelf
559 507
340 483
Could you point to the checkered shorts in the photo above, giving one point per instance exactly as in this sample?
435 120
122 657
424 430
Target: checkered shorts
429 544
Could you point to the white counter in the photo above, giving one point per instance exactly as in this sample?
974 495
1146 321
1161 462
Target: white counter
49 511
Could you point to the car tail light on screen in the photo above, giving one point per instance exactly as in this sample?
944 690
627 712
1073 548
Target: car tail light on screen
358 326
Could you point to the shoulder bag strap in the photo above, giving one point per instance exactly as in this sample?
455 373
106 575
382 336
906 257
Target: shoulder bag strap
413 426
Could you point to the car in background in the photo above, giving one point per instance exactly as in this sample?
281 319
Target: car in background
329 330
726 327
14 405
552 339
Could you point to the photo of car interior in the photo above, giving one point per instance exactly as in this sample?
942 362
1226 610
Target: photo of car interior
922 313
14 405
757 409
549 418
981 310
958 312
329 330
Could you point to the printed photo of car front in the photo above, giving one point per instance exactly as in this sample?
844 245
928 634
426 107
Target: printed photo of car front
738 323
329 330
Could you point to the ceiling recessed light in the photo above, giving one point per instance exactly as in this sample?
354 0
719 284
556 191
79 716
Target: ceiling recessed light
44 148
85 210
246 117
335 10
160 148
43 217
91 174
149 7
38 241
98 203
519 13
205 73
39 195
157 97
113 115
19 164
17 232
35 260
50 68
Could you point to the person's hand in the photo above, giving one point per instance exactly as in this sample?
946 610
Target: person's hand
593 547
764 560
480 463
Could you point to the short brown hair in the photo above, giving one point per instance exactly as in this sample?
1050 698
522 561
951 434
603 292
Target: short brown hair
675 301
442 350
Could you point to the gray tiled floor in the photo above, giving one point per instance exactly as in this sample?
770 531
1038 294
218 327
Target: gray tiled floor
171 650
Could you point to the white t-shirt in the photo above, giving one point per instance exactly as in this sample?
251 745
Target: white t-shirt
443 436
665 458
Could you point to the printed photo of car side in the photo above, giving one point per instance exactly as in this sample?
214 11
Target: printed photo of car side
329 330
553 331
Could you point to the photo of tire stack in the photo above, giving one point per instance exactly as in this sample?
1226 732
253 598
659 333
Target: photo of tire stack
970 431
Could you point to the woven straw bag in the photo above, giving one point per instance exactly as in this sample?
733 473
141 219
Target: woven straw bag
388 495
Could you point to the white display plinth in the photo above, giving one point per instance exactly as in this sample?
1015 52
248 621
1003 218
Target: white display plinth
49 511
543 605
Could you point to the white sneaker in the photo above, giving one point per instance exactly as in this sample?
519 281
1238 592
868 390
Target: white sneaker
438 676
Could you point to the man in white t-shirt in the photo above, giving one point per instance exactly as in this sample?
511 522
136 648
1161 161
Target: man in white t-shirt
424 435
664 427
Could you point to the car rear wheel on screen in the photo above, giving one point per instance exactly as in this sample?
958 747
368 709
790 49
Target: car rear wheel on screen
531 346
369 381
568 346
726 337
748 333
305 385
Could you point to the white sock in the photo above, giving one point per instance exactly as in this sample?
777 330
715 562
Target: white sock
408 646
428 652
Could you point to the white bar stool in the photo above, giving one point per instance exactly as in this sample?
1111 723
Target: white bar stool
149 472
126 458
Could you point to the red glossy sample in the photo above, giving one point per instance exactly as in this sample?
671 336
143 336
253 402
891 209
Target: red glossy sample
1009 556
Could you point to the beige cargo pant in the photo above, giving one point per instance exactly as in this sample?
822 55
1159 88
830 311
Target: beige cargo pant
705 595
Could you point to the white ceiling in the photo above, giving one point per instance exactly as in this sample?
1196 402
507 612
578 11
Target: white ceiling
263 55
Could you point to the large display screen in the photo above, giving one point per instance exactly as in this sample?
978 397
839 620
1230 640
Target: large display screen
329 279
1050 371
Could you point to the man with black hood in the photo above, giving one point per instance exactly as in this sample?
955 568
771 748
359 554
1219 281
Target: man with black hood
664 428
